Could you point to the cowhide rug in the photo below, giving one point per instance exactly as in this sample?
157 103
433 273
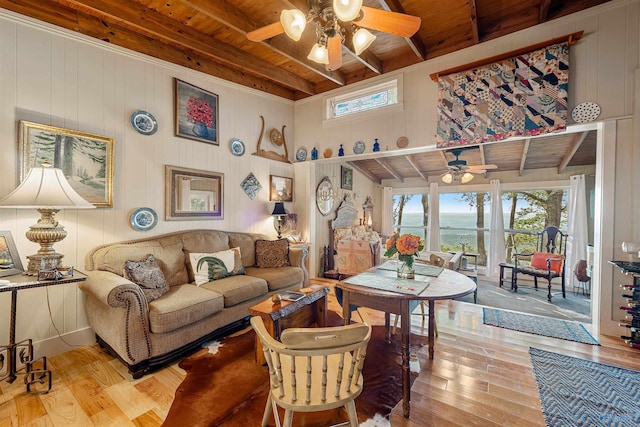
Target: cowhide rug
230 389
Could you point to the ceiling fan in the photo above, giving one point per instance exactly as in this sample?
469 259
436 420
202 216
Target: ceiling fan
334 20
459 170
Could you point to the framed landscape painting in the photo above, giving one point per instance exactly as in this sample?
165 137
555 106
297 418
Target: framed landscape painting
346 182
85 159
10 263
280 189
196 113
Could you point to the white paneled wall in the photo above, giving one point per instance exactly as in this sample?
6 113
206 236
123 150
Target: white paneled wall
54 77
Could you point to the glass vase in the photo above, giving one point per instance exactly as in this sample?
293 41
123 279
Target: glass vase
405 271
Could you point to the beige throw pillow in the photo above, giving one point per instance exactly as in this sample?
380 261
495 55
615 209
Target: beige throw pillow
207 267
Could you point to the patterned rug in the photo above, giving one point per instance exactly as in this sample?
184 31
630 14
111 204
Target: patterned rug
539 325
579 392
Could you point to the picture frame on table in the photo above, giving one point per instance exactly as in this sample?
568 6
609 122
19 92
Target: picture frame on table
85 159
10 262
346 182
196 113
280 189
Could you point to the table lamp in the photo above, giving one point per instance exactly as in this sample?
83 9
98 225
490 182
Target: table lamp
279 212
46 190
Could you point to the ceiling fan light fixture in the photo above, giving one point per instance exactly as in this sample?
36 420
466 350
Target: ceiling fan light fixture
466 177
362 39
447 178
319 54
293 21
347 10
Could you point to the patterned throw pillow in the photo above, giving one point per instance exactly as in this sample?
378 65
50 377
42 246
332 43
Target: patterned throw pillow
147 274
216 265
272 253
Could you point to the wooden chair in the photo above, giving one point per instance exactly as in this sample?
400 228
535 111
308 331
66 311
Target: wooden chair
547 261
314 369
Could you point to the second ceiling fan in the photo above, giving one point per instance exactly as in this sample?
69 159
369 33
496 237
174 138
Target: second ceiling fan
459 170
335 20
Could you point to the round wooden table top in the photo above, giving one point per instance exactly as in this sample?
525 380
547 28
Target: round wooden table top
448 285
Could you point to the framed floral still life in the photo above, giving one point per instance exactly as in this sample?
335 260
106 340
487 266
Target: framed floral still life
196 113
280 189
85 159
347 178
10 263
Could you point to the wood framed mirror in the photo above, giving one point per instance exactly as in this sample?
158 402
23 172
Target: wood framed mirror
193 194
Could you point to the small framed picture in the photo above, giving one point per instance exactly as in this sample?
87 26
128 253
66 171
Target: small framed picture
196 113
347 178
10 263
280 189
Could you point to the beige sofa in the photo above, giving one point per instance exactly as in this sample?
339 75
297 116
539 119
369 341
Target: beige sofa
146 335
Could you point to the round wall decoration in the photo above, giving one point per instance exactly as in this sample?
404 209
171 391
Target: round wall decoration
144 122
144 219
237 147
276 137
585 112
301 154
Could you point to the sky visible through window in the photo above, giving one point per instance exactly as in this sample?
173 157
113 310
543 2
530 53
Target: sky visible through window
453 203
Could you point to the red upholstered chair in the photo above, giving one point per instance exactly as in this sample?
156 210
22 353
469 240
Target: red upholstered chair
547 262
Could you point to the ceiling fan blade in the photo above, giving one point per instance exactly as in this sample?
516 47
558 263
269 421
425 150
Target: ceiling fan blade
334 47
265 32
477 171
399 24
472 168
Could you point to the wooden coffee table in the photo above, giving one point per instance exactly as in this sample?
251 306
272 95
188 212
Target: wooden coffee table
308 311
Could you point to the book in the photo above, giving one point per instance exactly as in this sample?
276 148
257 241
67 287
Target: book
292 296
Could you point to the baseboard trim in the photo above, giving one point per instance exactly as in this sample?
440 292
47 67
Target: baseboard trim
56 345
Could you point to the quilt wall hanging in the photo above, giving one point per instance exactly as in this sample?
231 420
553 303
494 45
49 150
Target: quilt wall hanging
524 95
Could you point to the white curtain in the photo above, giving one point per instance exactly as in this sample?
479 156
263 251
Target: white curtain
577 224
387 212
433 244
496 232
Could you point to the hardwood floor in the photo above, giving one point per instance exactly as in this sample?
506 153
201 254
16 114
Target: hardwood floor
480 376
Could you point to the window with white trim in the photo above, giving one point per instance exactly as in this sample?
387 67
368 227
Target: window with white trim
371 98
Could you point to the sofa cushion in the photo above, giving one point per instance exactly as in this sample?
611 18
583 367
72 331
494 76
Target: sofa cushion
217 265
182 306
272 253
237 289
539 261
279 277
147 274
167 252
247 244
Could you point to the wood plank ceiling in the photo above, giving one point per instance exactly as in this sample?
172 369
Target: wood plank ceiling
210 35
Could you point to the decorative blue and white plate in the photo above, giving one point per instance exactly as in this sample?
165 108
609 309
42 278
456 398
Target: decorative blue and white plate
144 219
358 147
237 147
301 154
144 122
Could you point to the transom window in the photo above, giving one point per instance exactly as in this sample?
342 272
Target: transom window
371 98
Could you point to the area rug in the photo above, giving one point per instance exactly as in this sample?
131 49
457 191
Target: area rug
539 325
579 392
230 389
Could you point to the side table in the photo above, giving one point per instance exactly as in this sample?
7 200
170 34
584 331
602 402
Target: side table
471 272
19 355
511 280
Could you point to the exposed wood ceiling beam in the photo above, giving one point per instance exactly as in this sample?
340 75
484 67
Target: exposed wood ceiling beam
415 42
365 172
473 13
523 159
233 18
415 166
140 19
544 11
578 138
385 164
444 159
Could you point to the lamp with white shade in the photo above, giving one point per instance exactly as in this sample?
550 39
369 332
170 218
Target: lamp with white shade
46 190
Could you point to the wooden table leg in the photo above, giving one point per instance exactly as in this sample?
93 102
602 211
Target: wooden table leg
432 327
321 308
387 328
273 329
405 327
346 307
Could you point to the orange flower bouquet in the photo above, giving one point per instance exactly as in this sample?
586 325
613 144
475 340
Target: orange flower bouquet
407 246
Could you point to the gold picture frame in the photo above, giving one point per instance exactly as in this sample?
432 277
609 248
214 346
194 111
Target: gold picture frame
193 194
85 159
10 263
280 189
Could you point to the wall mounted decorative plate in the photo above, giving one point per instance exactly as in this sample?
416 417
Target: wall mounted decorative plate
144 219
276 137
144 122
359 147
301 154
402 142
237 147
585 112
